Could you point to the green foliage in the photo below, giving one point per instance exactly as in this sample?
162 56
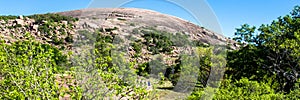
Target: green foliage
205 55
109 29
186 69
267 65
179 39
121 19
157 41
44 29
296 12
39 18
49 24
85 37
274 51
18 25
31 70
245 62
132 24
245 34
28 70
199 43
135 31
207 62
103 51
143 69
294 94
69 39
106 74
137 47
246 89
5 18
241 89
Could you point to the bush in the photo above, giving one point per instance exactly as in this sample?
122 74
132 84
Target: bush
28 70
5 18
241 89
143 69
39 18
157 42
137 47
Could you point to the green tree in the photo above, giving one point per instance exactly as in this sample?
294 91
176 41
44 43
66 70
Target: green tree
274 51
245 34
29 70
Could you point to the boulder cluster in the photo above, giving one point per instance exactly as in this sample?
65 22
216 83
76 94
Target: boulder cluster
17 28
44 31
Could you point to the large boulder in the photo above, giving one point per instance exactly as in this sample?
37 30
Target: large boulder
19 21
35 27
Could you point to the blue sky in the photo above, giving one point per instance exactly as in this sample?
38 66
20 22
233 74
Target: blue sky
230 13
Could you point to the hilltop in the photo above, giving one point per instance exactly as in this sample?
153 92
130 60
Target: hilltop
128 19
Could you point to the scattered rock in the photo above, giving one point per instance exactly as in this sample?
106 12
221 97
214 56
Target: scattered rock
35 27
2 22
65 97
21 17
19 21
44 21
92 25
64 22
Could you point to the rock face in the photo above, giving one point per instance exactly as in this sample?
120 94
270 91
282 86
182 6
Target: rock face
131 25
128 19
128 23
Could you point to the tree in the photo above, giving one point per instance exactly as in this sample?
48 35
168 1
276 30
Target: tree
274 51
32 70
245 34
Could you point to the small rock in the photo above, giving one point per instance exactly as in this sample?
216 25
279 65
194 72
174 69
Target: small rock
92 25
72 33
64 22
45 21
56 32
38 33
35 27
2 22
66 97
26 18
21 17
19 21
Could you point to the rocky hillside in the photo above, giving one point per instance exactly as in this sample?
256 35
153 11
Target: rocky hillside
46 28
140 34
134 24
128 19
124 20
136 54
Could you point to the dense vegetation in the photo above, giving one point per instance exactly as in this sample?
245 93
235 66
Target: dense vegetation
265 67
49 24
29 70
100 76
5 18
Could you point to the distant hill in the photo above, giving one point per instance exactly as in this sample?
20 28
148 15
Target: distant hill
127 19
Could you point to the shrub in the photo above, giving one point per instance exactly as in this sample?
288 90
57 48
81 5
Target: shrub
143 69
137 47
157 42
39 18
28 70
241 89
122 19
5 18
